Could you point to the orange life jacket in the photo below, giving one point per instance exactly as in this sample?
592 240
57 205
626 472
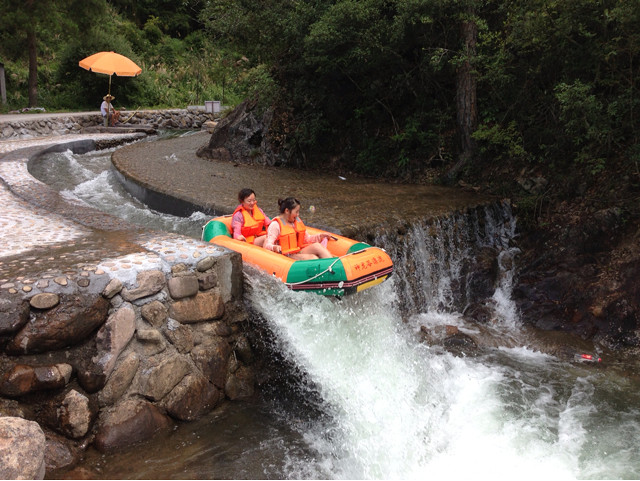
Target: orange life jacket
291 239
253 223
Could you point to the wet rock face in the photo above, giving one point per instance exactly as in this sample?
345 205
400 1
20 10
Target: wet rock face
191 398
67 324
130 422
12 316
579 274
23 379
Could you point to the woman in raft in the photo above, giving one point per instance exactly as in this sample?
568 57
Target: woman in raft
249 221
287 234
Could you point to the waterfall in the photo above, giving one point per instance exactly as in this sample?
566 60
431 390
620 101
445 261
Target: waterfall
387 402
456 263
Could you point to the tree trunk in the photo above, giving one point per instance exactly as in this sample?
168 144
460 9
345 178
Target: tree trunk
33 68
466 95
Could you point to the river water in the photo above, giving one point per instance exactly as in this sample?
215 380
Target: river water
366 398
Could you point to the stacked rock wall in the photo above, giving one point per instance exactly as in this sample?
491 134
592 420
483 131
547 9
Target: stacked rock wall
77 123
113 360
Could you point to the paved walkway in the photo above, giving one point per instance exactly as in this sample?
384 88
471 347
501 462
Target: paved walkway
49 242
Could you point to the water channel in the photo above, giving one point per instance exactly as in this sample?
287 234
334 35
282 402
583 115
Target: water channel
368 399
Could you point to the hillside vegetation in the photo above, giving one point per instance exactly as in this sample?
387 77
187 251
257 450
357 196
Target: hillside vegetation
406 89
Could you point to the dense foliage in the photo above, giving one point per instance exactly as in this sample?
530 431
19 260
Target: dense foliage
375 80
377 84
180 65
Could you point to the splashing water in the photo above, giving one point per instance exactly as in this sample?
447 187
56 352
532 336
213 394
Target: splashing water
399 409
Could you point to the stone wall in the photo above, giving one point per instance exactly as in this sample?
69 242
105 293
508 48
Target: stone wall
78 123
112 368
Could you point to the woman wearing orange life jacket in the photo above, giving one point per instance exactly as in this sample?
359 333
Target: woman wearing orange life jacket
287 234
249 221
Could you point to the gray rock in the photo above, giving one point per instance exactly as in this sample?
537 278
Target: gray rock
149 283
183 286
45 300
152 341
191 398
181 337
22 449
113 337
61 454
120 380
13 316
205 264
212 359
243 350
23 379
240 384
67 324
112 288
155 313
130 422
75 415
205 306
157 381
207 280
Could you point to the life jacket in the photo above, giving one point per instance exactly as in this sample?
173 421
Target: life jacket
253 223
291 239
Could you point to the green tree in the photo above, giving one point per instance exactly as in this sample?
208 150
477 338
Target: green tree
26 21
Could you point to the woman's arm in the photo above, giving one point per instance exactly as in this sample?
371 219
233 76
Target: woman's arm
237 221
267 221
273 232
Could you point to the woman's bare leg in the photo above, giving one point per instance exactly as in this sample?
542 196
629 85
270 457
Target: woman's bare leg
316 249
303 257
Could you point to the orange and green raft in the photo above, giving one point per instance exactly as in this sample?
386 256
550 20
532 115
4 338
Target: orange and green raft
355 267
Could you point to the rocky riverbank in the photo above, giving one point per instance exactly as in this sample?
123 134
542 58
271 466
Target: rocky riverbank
108 333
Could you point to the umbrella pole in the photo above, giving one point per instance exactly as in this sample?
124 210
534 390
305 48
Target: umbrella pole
109 104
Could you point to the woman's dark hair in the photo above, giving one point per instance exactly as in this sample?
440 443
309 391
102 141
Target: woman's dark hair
244 193
288 203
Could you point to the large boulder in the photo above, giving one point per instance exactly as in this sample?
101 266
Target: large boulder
22 449
69 323
191 398
245 136
130 422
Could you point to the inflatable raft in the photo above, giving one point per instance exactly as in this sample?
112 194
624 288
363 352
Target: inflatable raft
355 267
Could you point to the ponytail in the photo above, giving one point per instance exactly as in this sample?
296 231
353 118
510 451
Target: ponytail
288 203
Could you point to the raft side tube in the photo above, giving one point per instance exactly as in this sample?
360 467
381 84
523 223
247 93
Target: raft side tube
214 228
367 263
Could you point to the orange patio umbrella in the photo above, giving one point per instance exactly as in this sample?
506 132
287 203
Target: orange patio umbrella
110 63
